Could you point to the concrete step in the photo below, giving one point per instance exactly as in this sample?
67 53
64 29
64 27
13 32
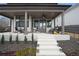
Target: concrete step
48 44
48 47
49 50
51 43
44 37
53 40
50 53
50 35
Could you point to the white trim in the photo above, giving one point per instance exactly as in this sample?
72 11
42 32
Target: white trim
31 10
12 25
31 7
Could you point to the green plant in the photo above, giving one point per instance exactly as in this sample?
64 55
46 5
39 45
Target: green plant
26 52
25 39
2 39
17 41
10 39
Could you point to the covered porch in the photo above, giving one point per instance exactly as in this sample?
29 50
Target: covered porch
34 17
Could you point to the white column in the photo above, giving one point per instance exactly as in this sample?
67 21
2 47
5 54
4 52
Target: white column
39 25
25 22
12 25
33 26
42 24
62 23
46 25
54 23
30 23
14 28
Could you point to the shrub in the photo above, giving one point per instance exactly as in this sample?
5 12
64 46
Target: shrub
10 39
17 41
25 39
2 39
32 37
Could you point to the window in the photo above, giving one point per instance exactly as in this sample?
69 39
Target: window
49 24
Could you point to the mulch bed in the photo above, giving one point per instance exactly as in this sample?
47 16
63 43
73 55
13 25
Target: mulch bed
10 49
70 47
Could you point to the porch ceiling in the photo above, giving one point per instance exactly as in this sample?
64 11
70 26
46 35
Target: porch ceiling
9 9
35 15
47 15
11 14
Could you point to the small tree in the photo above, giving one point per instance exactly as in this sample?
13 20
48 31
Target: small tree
2 39
25 39
32 37
17 41
10 39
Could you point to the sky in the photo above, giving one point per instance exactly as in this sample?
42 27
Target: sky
3 17
67 3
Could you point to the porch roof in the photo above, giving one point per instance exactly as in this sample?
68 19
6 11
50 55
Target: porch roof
34 9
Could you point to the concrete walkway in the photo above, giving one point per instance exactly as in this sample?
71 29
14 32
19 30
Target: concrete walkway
48 46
